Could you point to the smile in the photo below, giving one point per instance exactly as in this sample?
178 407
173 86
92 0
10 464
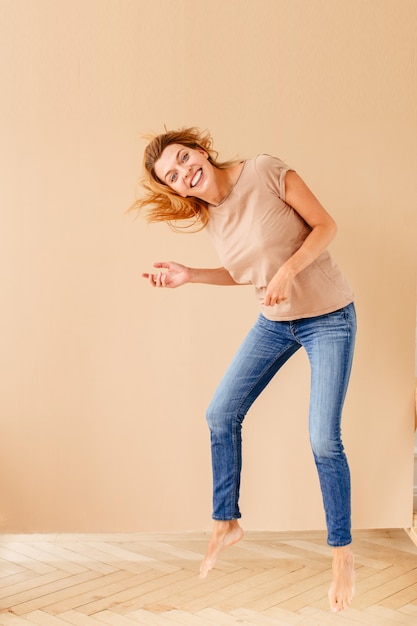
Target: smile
196 178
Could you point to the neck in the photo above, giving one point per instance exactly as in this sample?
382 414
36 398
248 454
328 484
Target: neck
225 181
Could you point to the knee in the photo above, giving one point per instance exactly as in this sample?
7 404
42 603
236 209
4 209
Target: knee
216 417
223 415
326 448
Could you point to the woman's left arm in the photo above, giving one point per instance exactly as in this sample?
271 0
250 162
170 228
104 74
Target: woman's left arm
323 226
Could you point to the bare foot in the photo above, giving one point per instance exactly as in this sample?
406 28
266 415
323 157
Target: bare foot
343 583
224 534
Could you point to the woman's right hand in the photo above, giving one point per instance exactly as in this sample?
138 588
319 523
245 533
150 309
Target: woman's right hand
174 276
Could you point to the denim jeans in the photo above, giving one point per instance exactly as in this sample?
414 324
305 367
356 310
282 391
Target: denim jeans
329 342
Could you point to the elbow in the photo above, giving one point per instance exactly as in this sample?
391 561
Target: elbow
326 230
332 229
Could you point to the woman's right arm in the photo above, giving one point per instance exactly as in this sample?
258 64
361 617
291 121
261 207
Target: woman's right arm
176 275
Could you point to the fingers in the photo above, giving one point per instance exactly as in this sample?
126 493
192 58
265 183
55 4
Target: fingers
164 265
156 280
148 277
271 300
160 279
174 275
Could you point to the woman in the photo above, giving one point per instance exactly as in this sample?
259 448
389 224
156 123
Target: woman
270 231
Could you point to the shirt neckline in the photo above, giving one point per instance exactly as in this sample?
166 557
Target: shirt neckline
229 193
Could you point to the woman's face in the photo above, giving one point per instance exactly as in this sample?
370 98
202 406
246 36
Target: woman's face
186 170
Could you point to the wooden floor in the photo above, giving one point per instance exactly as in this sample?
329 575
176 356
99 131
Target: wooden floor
267 579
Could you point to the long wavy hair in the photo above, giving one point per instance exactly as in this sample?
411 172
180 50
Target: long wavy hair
162 204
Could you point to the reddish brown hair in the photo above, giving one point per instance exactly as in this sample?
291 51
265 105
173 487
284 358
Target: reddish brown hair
160 201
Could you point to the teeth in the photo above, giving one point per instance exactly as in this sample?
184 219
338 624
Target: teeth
196 178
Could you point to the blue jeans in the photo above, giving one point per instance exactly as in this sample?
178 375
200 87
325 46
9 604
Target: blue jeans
329 342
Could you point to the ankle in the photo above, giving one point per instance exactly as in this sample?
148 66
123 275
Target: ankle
225 524
342 552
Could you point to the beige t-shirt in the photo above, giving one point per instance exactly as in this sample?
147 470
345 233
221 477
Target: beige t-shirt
254 232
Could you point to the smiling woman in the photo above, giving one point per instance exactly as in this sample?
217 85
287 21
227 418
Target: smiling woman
189 172
270 231
162 201
180 168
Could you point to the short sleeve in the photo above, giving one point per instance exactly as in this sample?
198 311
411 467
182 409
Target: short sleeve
271 171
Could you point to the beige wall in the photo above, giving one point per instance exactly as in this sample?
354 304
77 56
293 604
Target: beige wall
103 381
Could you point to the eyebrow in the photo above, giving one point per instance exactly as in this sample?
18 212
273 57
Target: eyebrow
177 159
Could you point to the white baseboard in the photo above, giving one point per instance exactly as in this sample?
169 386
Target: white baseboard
411 532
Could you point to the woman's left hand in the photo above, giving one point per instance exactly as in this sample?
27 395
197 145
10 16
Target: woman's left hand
323 229
278 288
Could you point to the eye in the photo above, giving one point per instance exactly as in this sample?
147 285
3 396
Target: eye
173 177
184 157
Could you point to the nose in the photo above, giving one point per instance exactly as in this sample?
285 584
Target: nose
186 170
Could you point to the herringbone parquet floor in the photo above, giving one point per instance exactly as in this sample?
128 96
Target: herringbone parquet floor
267 579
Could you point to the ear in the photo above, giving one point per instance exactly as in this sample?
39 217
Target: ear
203 152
